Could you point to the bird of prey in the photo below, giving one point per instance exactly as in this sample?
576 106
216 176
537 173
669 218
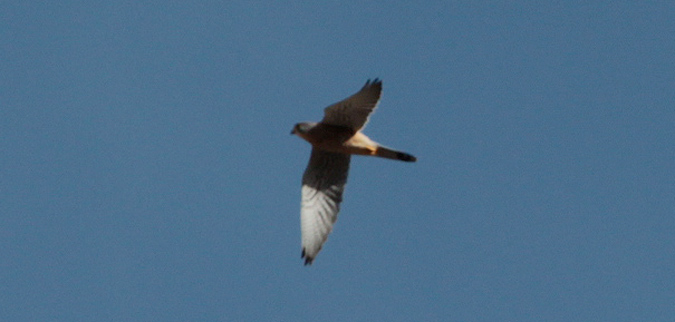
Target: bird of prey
333 141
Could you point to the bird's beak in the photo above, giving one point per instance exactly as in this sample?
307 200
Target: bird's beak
292 131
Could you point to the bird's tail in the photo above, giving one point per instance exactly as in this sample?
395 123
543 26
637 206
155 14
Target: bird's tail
388 153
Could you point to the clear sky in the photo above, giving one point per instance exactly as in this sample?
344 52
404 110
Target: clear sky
147 172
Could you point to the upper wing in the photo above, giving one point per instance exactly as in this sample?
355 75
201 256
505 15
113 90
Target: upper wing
322 186
353 111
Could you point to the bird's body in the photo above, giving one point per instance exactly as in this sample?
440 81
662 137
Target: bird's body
339 139
333 141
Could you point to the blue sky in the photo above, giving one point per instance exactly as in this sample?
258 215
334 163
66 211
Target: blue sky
147 172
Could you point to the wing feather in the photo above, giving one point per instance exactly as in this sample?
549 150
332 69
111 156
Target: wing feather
353 111
322 186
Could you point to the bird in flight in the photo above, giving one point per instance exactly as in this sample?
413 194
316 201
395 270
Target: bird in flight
333 141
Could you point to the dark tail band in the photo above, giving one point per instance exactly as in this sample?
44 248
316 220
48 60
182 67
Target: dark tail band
394 155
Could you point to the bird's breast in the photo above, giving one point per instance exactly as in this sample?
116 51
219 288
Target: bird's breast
339 140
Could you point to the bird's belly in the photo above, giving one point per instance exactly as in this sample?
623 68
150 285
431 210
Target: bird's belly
357 144
346 149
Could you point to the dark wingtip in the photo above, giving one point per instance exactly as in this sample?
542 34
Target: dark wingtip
308 260
375 82
406 157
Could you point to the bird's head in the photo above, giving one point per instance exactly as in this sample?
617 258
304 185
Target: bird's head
302 128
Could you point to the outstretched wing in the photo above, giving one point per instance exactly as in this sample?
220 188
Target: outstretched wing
322 186
353 111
